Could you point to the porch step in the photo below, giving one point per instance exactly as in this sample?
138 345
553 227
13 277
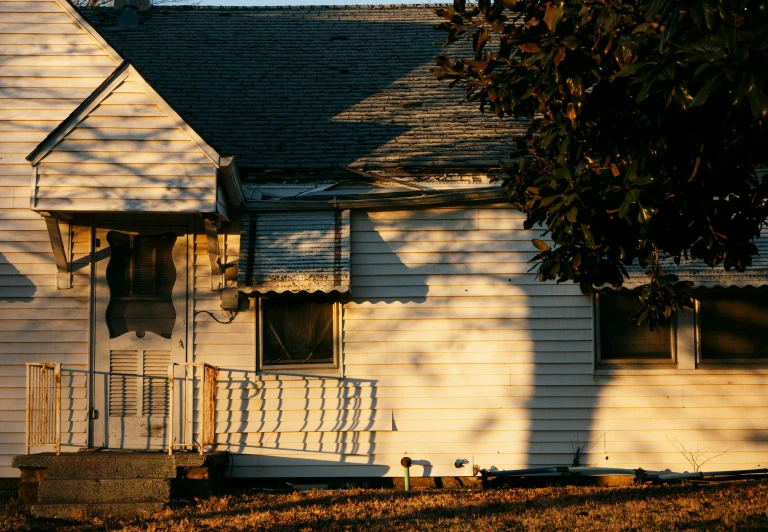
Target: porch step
100 484
106 491
112 465
117 483
77 511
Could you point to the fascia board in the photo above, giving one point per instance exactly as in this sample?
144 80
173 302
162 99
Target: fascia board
79 114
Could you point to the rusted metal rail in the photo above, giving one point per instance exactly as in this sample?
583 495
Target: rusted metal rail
204 377
43 419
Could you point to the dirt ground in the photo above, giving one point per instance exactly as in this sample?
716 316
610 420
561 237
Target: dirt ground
731 506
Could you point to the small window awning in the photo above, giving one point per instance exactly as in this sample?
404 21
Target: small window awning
702 276
295 251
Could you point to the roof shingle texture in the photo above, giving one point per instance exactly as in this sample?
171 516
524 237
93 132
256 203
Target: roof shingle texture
312 88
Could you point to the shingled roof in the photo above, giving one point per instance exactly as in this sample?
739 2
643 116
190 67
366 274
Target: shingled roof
311 88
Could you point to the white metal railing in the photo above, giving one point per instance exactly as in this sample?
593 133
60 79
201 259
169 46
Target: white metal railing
205 376
43 421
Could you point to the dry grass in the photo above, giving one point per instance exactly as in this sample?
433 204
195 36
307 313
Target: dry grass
740 506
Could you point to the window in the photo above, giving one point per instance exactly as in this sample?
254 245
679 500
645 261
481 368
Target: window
620 340
732 325
141 276
298 332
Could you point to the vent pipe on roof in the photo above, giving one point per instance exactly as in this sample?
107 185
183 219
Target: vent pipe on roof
141 5
129 17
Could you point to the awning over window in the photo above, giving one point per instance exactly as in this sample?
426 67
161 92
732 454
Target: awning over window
703 276
295 251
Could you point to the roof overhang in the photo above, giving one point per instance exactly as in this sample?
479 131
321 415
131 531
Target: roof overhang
417 199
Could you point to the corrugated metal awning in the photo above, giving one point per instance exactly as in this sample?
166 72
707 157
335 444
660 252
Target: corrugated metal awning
295 251
703 276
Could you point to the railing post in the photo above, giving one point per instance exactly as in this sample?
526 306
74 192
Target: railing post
57 411
208 376
43 402
170 409
26 419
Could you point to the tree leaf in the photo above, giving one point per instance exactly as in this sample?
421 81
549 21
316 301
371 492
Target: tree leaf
708 88
552 16
624 209
559 56
711 13
628 70
540 244
529 47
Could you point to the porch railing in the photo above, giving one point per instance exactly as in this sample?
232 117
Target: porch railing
203 379
43 420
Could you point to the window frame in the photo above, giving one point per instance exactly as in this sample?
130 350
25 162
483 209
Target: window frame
715 363
320 369
649 363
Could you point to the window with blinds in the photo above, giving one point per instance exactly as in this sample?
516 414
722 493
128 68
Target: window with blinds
621 339
733 324
297 331
141 275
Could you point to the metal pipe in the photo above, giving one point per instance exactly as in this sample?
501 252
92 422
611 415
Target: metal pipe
561 469
706 474
603 471
522 472
406 463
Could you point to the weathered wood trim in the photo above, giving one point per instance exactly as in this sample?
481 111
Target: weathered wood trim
60 252
72 12
33 189
79 114
214 253
231 181
222 203
408 201
370 177
137 78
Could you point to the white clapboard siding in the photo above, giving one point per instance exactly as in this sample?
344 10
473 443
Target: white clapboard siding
48 65
474 359
229 345
100 167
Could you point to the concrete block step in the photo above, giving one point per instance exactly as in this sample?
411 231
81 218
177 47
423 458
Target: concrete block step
55 491
110 465
79 511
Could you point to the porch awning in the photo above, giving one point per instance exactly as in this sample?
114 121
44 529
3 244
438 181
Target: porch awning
295 251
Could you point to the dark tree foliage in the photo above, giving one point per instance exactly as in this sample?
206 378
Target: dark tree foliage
647 120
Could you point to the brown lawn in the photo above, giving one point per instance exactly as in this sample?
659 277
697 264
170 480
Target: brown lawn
739 506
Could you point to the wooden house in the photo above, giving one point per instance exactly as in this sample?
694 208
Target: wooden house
288 196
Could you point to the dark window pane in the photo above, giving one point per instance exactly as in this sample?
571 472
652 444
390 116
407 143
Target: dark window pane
141 275
734 326
297 332
622 338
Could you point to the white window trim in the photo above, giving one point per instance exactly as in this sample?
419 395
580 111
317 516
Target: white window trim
335 369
